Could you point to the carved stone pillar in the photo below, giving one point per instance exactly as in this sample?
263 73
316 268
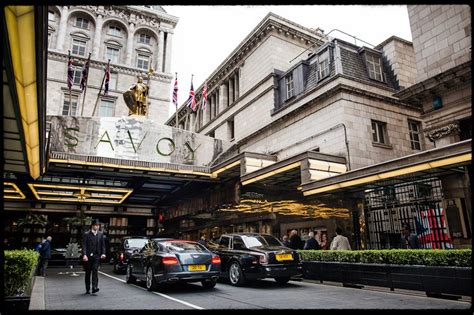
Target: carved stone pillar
128 58
62 29
168 52
223 97
98 34
236 85
231 91
159 57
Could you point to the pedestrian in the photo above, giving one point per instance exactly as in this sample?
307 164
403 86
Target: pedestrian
93 250
340 242
409 240
311 243
295 240
203 240
285 241
45 255
324 241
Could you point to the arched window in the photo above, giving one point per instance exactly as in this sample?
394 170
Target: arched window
114 31
144 38
82 22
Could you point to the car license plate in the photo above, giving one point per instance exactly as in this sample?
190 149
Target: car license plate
281 257
197 268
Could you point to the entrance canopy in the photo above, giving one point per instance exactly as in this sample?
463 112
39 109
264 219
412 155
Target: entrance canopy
436 162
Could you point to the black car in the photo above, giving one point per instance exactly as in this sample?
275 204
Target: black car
128 245
250 256
163 261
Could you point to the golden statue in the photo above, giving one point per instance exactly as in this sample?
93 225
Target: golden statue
136 97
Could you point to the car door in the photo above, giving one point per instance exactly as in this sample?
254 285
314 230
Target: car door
224 251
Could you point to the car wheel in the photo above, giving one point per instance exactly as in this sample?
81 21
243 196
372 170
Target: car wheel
129 277
150 279
236 276
282 280
208 284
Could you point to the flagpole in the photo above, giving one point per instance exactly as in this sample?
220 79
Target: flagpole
188 112
176 104
70 97
85 87
100 90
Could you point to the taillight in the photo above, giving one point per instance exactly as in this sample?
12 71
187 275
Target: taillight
263 259
216 260
170 261
121 257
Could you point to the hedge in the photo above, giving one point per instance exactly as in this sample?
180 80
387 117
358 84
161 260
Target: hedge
427 257
19 270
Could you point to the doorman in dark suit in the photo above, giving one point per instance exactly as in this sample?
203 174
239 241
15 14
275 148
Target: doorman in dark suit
93 250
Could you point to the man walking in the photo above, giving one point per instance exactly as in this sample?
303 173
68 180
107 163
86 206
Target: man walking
93 249
340 242
45 255
409 240
295 240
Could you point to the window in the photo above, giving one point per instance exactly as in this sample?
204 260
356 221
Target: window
224 242
82 23
290 87
375 67
76 75
144 38
143 61
66 105
323 68
379 132
115 31
238 243
113 81
107 108
51 16
79 47
112 54
415 140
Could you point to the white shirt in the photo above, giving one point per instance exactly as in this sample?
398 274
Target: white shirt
340 242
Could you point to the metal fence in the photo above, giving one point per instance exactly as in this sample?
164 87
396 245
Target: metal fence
418 203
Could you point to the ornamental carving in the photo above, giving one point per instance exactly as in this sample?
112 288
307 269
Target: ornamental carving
443 131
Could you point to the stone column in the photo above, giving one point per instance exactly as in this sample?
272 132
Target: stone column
98 34
159 57
128 58
62 29
236 85
231 91
205 113
168 53
222 97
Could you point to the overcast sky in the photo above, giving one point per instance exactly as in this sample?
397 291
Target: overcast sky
206 35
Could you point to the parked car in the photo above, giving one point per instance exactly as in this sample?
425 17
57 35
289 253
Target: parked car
163 261
128 245
251 256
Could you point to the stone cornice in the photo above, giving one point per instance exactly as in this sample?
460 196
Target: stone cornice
133 14
58 56
447 80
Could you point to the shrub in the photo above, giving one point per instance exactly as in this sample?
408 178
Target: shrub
427 257
19 270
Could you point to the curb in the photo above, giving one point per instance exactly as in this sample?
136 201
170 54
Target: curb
37 301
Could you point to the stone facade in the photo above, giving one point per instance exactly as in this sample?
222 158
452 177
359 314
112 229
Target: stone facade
441 37
135 38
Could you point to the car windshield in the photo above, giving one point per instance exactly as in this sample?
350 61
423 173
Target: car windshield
260 240
184 247
135 242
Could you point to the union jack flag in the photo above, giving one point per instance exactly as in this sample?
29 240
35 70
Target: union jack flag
431 228
107 79
175 92
192 99
85 73
70 73
204 97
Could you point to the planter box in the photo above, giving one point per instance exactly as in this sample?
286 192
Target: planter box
431 279
14 304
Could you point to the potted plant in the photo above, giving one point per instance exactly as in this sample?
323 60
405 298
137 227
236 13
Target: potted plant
20 267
